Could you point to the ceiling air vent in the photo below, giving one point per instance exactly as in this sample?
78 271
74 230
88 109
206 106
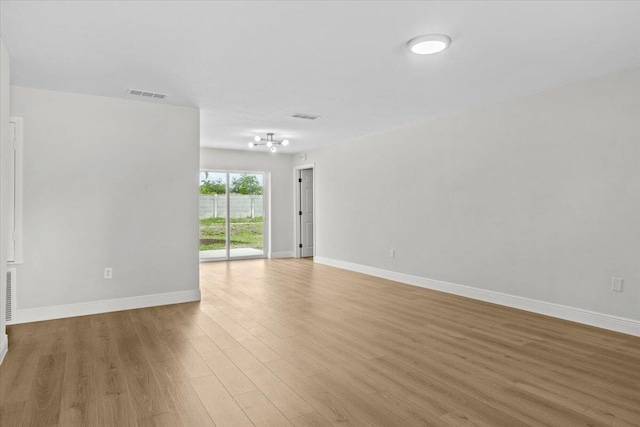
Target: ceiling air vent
146 94
305 116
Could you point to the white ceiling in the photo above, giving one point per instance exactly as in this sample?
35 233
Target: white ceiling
250 65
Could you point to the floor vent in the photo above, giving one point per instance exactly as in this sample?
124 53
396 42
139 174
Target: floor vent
11 294
146 94
305 116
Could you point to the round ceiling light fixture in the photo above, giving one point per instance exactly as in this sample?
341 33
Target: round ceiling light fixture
428 44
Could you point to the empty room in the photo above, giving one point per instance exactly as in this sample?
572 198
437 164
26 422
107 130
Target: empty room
319 213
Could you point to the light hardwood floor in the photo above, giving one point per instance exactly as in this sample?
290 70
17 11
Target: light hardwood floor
289 342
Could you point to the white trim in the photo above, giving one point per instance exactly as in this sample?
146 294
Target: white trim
16 191
266 207
283 254
104 306
592 318
227 215
4 346
296 208
233 258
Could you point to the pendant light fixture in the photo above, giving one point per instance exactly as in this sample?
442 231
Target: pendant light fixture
269 142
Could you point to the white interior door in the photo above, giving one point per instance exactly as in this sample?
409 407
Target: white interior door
306 207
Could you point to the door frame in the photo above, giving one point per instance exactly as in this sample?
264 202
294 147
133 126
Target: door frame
296 208
266 223
15 193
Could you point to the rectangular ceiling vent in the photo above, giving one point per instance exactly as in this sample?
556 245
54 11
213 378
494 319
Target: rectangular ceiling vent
146 94
305 116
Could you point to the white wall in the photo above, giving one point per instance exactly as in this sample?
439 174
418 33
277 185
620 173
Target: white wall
281 168
5 144
93 169
538 197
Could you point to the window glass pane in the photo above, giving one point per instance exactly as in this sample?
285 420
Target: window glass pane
213 213
246 214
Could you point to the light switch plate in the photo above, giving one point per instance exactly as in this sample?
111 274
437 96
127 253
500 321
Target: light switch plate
616 284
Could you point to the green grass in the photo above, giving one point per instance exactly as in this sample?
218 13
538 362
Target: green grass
210 221
245 233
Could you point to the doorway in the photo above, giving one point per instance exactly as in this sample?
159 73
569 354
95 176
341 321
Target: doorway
305 211
233 215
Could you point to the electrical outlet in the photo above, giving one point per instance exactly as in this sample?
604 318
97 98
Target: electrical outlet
392 253
616 284
108 273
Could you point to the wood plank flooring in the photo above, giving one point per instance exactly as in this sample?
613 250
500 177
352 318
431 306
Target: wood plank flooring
289 342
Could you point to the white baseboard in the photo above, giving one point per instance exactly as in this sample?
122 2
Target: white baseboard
285 254
592 318
4 346
104 306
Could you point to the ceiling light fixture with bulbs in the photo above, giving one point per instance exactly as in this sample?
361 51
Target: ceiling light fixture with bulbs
429 44
269 142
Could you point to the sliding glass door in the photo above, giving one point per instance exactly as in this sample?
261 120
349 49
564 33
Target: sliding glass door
232 215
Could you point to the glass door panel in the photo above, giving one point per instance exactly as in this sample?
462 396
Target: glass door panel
213 215
246 214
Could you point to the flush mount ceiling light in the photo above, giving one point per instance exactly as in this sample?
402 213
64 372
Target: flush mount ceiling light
269 142
428 44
